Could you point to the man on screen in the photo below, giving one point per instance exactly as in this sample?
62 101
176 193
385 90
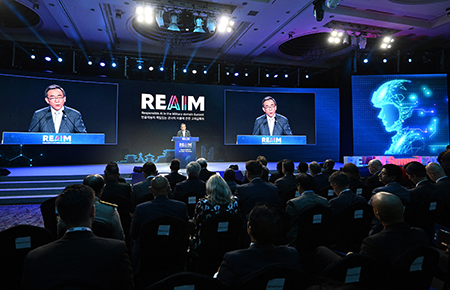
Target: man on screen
183 132
56 118
271 123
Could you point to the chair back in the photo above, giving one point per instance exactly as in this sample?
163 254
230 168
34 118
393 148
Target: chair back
314 226
50 215
362 190
124 209
426 215
15 243
327 192
188 280
191 200
276 276
102 230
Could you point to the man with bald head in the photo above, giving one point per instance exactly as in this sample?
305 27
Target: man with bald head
373 181
442 182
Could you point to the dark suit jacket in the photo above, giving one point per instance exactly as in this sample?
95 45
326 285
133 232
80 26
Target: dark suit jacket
281 126
345 199
422 192
373 181
189 185
141 190
113 187
442 189
205 174
174 178
393 241
285 185
180 133
321 181
238 264
257 190
394 188
79 259
275 176
45 119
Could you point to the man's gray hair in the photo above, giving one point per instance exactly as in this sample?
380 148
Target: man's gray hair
203 163
315 168
193 169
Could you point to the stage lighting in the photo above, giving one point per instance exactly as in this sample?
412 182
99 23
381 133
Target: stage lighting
385 60
236 74
205 72
224 23
89 62
194 71
159 17
227 73
319 9
173 22
211 23
139 66
148 14
161 68
184 70
332 4
275 76
365 60
48 58
187 20
345 39
60 59
33 56
102 64
267 75
246 74
113 64
307 76
199 25
286 76
410 60
362 41
151 68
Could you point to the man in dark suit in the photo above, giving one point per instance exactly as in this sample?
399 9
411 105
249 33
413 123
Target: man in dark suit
183 132
174 177
442 181
396 238
286 184
140 192
320 179
339 181
373 181
192 184
256 190
328 167
149 211
271 123
278 174
79 259
56 118
424 189
391 176
263 227
204 174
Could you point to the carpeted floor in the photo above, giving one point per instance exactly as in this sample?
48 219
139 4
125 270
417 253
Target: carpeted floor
13 215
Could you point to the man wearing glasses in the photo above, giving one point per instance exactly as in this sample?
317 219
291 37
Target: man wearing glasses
271 123
56 118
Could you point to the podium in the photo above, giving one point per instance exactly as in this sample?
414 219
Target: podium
52 138
271 140
185 149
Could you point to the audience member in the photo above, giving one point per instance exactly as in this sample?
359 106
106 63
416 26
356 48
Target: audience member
230 178
174 177
320 179
256 190
286 184
79 260
302 167
265 174
263 227
141 190
442 182
218 200
278 174
345 197
373 181
149 211
424 189
192 183
391 176
205 174
441 154
262 160
352 172
306 200
113 187
328 167
396 238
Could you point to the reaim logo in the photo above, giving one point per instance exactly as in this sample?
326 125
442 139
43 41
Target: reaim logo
56 138
183 103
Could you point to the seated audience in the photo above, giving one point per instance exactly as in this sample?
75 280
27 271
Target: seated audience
373 181
141 190
256 190
352 172
320 179
79 260
396 238
263 227
265 173
424 189
339 181
205 174
302 167
286 184
307 199
192 183
218 199
113 187
230 178
278 174
328 167
391 176
442 182
174 177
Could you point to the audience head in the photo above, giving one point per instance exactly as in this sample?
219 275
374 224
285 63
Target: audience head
265 173
374 166
302 167
435 171
314 168
280 166
217 190
352 171
264 224
75 205
96 182
160 186
447 147
390 173
339 181
149 169
175 165
234 166
415 171
229 175
328 164
202 162
254 169
288 166
262 159
112 171
388 208
304 182
193 169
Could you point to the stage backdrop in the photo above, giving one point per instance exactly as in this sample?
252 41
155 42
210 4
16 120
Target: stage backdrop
148 114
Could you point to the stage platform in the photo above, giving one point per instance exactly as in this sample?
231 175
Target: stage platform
28 185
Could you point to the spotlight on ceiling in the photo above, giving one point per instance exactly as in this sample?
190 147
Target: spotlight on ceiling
159 17
188 20
185 70
48 58
319 9
161 68
366 60
139 66
362 42
225 24
173 22
211 23
199 25
148 14
194 71
60 59
385 60
345 39
236 74
102 64
114 64
33 56
205 72
386 43
332 4
151 68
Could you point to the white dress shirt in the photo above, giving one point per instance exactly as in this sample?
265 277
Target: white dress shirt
57 117
271 123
